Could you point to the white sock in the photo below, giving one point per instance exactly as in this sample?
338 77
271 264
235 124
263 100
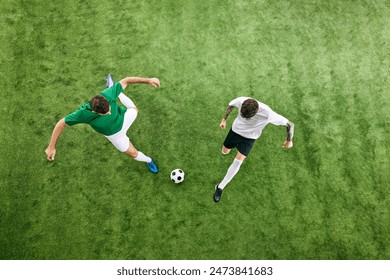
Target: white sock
110 83
126 101
142 157
232 171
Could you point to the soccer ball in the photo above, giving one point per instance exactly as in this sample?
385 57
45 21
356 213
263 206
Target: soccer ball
177 176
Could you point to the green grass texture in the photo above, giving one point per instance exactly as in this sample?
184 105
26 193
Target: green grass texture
324 65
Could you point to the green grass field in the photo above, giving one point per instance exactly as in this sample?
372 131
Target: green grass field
322 64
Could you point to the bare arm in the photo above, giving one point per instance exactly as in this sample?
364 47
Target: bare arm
51 149
290 134
227 113
139 80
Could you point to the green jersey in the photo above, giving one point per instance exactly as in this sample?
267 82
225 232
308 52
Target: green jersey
104 124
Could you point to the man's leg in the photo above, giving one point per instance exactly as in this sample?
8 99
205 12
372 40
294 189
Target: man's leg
125 100
122 142
231 172
225 150
131 150
135 154
140 156
122 97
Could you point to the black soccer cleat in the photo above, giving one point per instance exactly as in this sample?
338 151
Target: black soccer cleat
217 194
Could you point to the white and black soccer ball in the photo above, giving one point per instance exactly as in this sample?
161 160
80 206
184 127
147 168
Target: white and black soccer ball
177 176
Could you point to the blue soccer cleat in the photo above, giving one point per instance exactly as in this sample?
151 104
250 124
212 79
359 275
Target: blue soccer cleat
109 81
152 167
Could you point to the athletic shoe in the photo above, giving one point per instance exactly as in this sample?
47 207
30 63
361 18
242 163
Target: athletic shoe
152 167
217 194
109 81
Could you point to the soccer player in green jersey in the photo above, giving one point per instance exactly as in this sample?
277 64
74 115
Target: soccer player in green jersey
109 118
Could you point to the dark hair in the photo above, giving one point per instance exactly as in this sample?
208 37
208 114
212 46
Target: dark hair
249 108
99 104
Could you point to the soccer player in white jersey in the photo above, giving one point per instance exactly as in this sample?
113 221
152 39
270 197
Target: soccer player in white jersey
247 127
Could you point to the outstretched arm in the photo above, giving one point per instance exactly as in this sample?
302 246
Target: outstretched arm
51 149
137 80
290 134
227 113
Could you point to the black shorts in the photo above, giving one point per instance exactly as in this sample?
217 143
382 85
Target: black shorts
234 140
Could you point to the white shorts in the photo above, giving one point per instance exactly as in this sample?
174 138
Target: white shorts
120 139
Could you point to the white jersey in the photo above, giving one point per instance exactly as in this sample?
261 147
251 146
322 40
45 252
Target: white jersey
253 127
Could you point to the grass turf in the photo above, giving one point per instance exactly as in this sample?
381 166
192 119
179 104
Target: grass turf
322 64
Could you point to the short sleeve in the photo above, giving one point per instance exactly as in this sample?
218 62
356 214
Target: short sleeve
81 115
112 93
74 118
276 119
238 102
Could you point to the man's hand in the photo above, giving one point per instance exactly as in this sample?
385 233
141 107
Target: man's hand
287 144
51 148
50 153
223 124
228 111
154 82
